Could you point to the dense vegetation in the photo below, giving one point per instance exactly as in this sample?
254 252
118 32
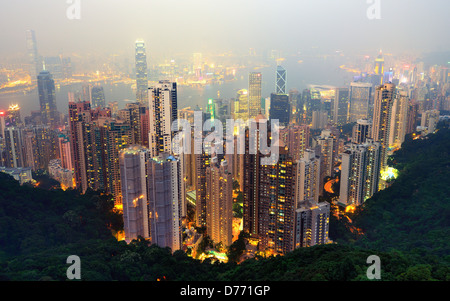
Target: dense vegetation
413 215
406 225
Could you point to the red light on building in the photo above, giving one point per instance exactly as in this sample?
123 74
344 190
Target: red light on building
2 113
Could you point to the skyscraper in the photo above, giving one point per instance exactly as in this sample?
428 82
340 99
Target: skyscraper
141 72
281 80
379 64
340 108
360 101
2 123
308 177
151 196
219 202
360 172
13 116
276 204
163 112
133 173
14 147
33 57
97 97
383 104
327 145
254 94
165 200
296 138
47 99
40 146
399 119
79 112
240 106
201 163
280 108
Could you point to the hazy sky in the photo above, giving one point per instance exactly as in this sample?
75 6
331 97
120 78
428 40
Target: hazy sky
173 26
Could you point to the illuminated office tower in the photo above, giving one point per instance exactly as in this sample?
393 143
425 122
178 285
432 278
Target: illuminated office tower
341 106
219 202
133 164
164 201
399 119
2 123
360 172
276 204
14 147
308 177
254 94
280 108
97 97
296 138
47 99
211 109
33 57
379 64
240 106
163 112
361 131
360 101
312 222
281 80
429 120
141 72
13 116
382 114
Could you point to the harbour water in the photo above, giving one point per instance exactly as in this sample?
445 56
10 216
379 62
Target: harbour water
300 73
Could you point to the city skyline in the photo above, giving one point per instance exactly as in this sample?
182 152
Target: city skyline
226 134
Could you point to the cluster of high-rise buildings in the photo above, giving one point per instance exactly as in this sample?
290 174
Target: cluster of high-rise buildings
129 153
